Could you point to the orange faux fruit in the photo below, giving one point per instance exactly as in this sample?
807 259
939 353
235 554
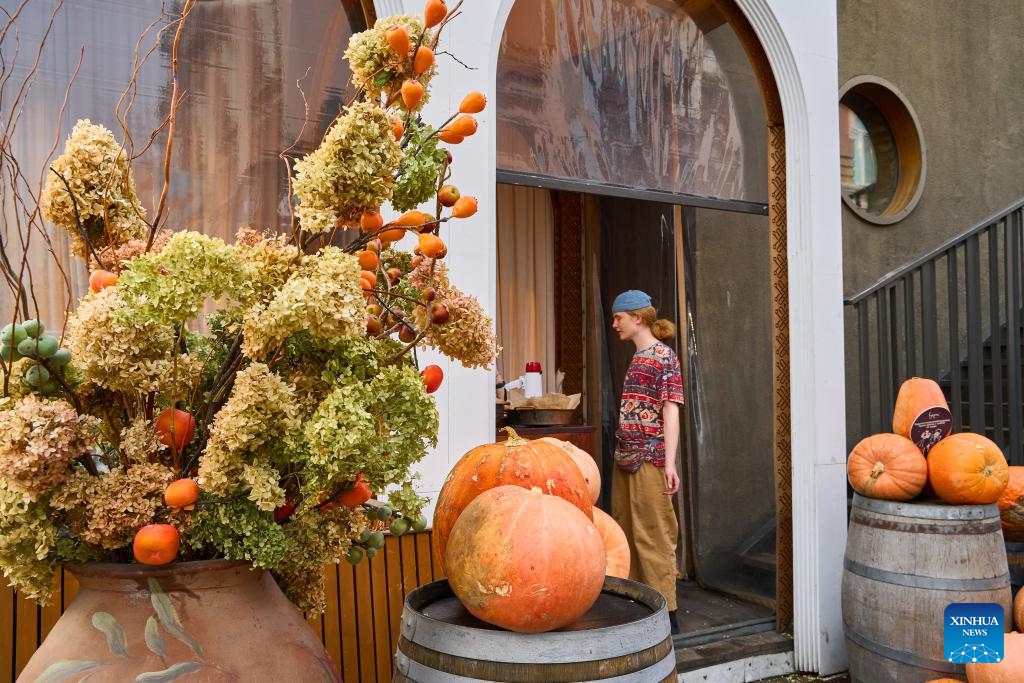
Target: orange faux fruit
432 376
369 277
464 125
447 135
473 103
413 219
412 93
423 60
398 39
371 221
430 245
393 235
101 279
368 260
397 127
357 495
182 493
156 544
434 13
465 207
176 428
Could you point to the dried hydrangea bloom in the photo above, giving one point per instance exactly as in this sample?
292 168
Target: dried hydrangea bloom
378 428
468 336
316 539
261 411
170 287
352 169
108 509
27 538
323 298
121 353
270 258
38 439
376 68
140 441
100 179
262 482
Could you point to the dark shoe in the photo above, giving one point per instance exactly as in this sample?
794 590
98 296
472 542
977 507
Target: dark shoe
673 622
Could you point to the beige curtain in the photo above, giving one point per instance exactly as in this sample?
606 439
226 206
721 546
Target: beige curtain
526 282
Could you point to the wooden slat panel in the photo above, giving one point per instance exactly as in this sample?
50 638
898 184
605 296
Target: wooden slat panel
360 627
26 622
6 634
424 559
332 616
349 634
364 622
381 629
396 595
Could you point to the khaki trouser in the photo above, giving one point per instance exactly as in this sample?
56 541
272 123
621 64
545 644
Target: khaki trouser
646 514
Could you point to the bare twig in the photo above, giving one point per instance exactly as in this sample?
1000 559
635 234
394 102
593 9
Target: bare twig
189 4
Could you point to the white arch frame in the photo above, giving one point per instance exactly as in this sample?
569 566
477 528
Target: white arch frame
800 41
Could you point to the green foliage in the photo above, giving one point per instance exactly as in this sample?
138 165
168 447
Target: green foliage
420 169
239 531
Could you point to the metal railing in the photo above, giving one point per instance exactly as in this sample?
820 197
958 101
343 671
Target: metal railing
953 315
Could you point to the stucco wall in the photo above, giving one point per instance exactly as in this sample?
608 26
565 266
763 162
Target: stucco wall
958 64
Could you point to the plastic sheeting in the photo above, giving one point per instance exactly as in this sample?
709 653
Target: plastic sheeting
725 343
630 93
241 66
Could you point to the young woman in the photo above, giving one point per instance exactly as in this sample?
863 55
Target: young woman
646 476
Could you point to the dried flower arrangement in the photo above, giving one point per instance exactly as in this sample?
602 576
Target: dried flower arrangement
146 428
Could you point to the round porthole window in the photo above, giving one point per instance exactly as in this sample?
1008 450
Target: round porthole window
881 151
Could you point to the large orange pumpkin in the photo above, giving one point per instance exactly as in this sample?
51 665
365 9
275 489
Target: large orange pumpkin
516 461
524 560
616 547
916 395
887 466
584 461
967 469
1011 505
1010 670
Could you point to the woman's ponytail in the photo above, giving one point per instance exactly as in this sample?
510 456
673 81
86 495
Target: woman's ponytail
664 330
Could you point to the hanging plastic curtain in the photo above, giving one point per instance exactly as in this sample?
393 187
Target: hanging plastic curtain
241 67
632 94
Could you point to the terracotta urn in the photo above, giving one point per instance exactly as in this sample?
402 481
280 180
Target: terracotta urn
194 621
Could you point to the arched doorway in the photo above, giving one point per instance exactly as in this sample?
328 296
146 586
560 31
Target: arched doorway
642 124
793 52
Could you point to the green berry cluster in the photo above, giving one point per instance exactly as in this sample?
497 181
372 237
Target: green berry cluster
30 340
369 542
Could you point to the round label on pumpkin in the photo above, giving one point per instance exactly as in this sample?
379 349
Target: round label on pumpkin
931 426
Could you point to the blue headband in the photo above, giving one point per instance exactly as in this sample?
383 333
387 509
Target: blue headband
630 300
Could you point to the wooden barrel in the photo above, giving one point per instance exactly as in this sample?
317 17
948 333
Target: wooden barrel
1015 561
625 637
905 562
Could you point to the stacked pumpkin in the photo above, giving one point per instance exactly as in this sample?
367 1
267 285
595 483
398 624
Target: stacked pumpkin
922 459
920 455
517 534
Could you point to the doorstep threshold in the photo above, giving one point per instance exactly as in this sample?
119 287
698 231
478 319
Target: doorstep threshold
765 649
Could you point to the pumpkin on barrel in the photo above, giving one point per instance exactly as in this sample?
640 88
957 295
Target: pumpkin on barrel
516 532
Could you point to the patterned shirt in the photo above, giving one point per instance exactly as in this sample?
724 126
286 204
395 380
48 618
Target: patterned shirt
653 377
